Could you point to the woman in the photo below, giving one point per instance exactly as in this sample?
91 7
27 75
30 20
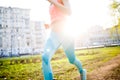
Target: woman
59 10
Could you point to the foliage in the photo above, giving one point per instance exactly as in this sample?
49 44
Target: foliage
115 4
115 7
115 30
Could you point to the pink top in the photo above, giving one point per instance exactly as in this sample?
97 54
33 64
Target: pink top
55 13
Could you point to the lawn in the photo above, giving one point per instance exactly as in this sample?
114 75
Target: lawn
29 68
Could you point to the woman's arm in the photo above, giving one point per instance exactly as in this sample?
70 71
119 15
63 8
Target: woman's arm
64 8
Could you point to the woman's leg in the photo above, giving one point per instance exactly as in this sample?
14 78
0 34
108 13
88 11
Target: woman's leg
68 46
50 47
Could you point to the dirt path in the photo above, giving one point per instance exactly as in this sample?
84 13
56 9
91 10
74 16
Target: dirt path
109 71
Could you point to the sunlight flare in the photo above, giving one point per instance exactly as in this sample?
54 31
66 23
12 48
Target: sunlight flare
73 28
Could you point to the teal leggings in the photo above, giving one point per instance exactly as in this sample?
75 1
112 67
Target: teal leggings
52 44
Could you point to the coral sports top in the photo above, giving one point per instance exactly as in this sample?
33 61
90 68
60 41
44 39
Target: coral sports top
55 13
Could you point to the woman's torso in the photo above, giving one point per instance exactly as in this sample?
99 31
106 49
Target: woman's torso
58 18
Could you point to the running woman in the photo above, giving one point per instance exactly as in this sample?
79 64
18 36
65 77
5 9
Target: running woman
59 11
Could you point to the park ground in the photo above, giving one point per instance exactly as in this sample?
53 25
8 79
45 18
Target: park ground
100 63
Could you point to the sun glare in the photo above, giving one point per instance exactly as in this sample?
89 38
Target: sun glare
73 28
86 14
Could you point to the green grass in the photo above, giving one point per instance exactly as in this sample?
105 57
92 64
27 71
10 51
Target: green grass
62 69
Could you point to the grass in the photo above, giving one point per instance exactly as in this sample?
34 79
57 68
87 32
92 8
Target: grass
62 69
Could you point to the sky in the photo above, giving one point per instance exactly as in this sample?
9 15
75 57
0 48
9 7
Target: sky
85 13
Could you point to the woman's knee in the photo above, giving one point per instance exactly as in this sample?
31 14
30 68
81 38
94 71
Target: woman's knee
45 58
72 60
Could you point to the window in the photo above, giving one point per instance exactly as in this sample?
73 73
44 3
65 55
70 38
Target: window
28 43
16 30
0 26
0 42
6 26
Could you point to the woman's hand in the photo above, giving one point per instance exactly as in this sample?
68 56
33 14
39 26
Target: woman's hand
47 26
51 1
65 7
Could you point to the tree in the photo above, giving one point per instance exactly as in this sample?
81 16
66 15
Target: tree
115 6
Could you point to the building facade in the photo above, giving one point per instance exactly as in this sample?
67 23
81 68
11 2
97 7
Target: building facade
39 36
15 32
96 36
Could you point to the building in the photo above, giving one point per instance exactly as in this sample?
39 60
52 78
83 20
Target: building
96 36
38 36
15 31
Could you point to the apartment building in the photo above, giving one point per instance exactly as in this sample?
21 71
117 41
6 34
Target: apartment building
96 36
39 36
15 31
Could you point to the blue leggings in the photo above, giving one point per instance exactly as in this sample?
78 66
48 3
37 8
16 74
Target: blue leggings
52 44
